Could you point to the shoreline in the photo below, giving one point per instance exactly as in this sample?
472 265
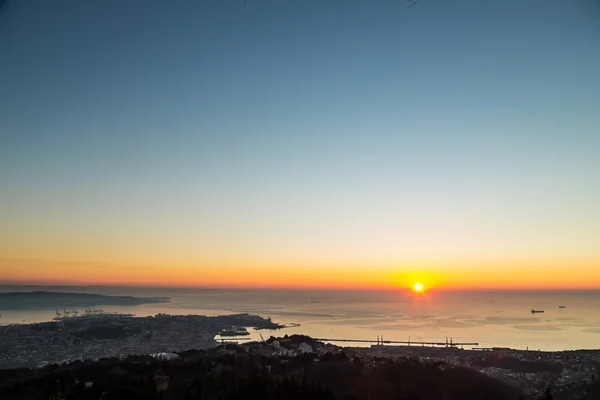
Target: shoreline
267 325
567 372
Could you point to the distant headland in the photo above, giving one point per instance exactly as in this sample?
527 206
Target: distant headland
43 299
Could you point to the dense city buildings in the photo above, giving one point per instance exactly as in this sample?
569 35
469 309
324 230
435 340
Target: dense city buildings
166 338
80 338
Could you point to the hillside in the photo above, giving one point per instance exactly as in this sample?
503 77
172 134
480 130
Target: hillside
248 372
42 299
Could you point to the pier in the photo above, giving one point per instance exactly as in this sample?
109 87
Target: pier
381 342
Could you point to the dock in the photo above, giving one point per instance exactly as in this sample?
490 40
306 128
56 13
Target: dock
381 342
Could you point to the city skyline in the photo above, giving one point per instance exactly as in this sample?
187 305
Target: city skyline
301 144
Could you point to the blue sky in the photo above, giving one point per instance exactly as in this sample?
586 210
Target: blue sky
358 129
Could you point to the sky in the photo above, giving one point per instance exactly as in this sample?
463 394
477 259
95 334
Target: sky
301 143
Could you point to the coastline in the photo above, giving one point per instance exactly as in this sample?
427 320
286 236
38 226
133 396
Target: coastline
488 319
81 337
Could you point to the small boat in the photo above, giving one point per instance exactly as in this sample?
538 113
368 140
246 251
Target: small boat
562 306
536 311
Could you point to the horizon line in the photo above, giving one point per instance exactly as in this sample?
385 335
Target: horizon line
295 288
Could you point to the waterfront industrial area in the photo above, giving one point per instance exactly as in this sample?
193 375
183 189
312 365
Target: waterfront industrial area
113 335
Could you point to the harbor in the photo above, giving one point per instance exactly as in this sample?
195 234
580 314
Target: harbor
106 335
381 342
89 313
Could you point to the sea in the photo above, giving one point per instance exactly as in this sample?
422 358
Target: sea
488 318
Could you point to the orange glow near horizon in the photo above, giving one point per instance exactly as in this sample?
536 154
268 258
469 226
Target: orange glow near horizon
584 275
180 163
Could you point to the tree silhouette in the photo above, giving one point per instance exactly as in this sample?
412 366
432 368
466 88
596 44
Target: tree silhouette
548 395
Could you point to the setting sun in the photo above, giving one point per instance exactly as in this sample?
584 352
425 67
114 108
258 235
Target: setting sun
418 287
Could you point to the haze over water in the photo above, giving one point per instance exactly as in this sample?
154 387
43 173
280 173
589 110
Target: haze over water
490 318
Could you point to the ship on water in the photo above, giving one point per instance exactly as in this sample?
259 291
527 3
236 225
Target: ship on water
562 306
234 332
536 311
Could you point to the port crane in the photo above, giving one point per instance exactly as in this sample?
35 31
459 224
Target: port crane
380 341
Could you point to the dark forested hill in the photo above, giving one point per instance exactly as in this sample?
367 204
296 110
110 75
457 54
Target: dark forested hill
41 299
234 372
